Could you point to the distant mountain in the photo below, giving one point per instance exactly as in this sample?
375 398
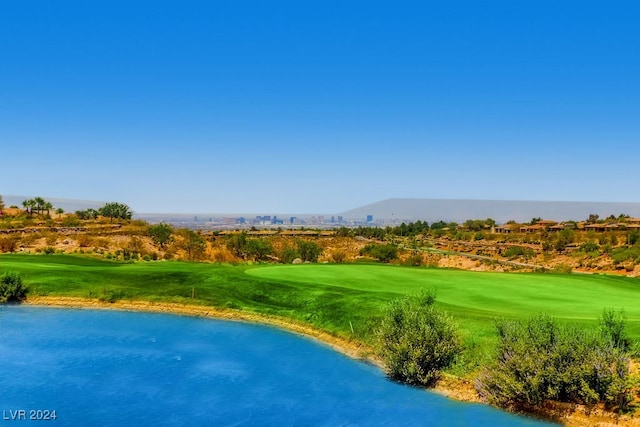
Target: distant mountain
459 210
69 205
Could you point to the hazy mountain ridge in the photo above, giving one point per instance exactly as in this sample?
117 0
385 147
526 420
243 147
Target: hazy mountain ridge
69 205
502 211
405 209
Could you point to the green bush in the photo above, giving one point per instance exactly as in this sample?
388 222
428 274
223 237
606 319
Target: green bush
518 251
309 251
625 254
416 340
540 360
384 253
414 260
12 288
287 255
589 247
111 295
258 249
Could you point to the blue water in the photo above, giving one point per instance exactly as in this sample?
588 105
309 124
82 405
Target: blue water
122 368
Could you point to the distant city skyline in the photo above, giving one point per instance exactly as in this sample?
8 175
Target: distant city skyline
318 107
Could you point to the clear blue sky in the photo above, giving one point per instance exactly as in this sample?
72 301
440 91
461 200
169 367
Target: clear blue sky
318 106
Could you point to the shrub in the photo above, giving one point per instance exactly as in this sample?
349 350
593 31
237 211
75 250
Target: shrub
612 328
161 234
518 251
416 340
84 240
9 243
258 249
309 251
338 256
287 255
540 360
414 260
49 250
625 254
12 288
111 295
384 253
562 269
589 247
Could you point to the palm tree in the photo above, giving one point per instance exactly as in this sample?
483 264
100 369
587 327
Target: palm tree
29 205
40 202
47 206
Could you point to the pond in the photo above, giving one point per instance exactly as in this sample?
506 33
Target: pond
101 367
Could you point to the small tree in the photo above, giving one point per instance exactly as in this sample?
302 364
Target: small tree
12 288
309 251
1 204
115 210
193 244
160 234
258 249
288 254
384 253
416 340
237 244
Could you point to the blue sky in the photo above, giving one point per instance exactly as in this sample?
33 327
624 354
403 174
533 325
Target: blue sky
318 106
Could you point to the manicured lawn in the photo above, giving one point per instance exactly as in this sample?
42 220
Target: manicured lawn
337 297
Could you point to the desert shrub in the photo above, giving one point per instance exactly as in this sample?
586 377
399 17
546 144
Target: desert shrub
625 254
541 360
29 238
384 253
288 254
111 295
9 243
338 256
71 221
237 243
12 288
589 247
258 249
309 251
562 269
416 340
136 245
414 260
50 238
84 240
518 251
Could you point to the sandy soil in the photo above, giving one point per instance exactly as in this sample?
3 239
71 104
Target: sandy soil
450 386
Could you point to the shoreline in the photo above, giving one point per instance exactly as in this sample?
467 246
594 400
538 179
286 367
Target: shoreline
450 386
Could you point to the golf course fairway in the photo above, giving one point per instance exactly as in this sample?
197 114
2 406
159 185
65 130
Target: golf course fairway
343 299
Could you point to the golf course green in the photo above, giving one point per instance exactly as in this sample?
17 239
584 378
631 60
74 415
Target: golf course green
344 299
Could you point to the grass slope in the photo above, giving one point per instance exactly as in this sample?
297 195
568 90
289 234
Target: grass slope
337 297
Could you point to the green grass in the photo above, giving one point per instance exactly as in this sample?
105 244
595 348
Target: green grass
334 297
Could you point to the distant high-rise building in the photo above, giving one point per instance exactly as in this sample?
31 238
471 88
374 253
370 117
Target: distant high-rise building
292 220
340 218
369 218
